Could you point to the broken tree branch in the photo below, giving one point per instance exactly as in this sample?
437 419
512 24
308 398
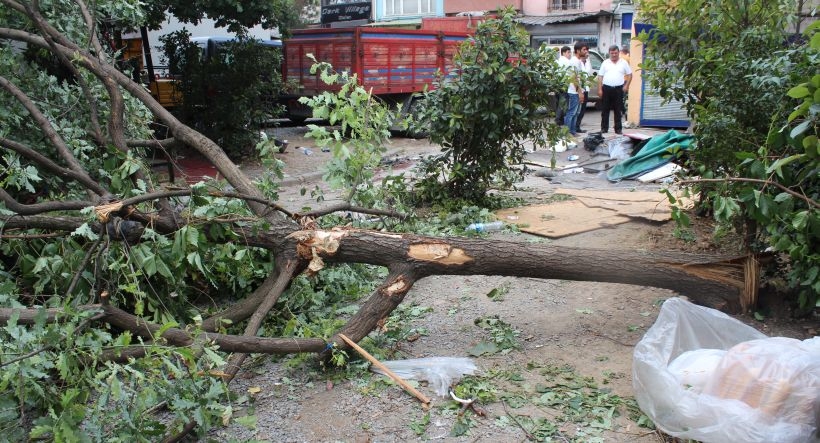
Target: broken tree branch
28 316
48 130
350 208
716 281
49 165
205 146
288 269
154 143
40 208
54 223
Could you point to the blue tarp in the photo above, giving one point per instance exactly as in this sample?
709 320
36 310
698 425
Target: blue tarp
658 151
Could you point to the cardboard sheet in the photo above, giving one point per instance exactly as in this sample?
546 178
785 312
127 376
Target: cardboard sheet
560 219
590 210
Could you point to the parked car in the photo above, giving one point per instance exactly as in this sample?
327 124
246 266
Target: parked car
595 59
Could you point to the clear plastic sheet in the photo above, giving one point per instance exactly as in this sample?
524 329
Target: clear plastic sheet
440 372
765 390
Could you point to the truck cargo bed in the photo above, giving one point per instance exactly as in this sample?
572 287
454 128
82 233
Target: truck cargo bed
386 61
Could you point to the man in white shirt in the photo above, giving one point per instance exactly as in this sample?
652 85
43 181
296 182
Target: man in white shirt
586 68
575 88
613 81
561 100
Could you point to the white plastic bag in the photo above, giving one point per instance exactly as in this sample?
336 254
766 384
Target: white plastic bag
695 369
440 372
683 412
620 148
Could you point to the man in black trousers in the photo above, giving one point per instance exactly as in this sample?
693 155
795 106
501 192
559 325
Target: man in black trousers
613 81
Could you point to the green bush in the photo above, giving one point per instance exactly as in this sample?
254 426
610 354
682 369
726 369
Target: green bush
229 96
484 111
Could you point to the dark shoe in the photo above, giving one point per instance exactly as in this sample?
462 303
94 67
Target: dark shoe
619 132
580 131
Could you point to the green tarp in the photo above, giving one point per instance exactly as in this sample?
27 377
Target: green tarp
658 151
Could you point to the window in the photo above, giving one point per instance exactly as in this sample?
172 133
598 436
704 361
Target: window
408 7
564 40
563 5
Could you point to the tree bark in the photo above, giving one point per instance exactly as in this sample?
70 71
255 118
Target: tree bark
713 281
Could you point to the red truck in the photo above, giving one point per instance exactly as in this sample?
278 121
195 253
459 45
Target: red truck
392 63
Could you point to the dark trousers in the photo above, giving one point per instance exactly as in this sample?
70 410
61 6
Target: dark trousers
560 108
612 100
582 112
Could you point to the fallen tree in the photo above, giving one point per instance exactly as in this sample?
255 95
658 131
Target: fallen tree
88 190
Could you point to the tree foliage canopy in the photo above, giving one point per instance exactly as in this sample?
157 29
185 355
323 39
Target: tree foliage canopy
486 108
751 89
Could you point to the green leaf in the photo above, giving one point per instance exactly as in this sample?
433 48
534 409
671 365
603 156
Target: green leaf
483 348
460 427
162 268
166 327
240 254
42 263
800 129
192 235
783 196
215 358
85 231
779 163
800 220
799 91
248 421
810 142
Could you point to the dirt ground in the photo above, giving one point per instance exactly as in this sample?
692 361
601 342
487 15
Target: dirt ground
567 330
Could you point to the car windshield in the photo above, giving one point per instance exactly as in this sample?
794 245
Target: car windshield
595 60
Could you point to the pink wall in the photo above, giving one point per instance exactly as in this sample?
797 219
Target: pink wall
455 6
541 7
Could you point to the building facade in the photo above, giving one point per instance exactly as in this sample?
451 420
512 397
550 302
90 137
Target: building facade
403 13
600 23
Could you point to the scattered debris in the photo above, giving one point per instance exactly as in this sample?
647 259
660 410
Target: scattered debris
657 151
468 404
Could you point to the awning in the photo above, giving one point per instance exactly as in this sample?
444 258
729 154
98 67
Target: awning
541 20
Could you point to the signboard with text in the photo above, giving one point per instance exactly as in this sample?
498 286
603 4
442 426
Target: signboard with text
346 12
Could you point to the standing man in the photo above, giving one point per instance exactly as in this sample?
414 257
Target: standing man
575 89
561 100
586 68
613 81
